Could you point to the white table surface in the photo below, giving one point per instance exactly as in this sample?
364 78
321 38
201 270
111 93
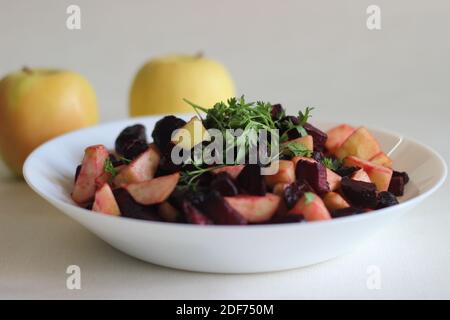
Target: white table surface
396 78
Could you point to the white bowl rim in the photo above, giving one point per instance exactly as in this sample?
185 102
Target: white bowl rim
80 210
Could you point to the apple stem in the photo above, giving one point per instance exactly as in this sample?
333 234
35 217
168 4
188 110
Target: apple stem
27 70
199 55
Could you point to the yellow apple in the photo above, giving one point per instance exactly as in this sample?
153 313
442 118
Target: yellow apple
162 83
39 104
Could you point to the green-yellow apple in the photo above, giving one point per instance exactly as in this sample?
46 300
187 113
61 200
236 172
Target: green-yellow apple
162 83
39 104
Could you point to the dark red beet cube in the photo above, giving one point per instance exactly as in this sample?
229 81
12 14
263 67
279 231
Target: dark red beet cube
318 135
404 175
277 112
250 180
346 171
386 199
132 141
344 212
131 209
295 191
194 215
288 218
314 173
162 133
224 184
359 193
397 185
216 208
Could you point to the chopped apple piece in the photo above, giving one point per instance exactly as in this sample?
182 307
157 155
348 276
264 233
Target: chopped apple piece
92 166
191 134
255 208
311 207
379 175
141 169
337 136
278 189
360 175
334 180
382 159
153 191
334 201
306 141
233 171
168 212
105 202
360 144
285 173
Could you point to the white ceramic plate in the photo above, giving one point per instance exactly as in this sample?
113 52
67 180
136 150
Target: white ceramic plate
49 170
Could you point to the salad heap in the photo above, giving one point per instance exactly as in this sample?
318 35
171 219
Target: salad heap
320 175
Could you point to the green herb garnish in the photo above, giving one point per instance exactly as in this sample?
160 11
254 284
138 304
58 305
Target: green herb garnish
124 160
294 149
332 164
109 168
309 197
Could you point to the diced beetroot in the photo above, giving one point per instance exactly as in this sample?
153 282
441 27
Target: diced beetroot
386 199
131 209
77 172
193 215
318 135
344 212
288 218
132 141
162 133
345 171
397 186
359 193
294 192
224 184
277 112
251 181
315 173
220 211
404 175
233 171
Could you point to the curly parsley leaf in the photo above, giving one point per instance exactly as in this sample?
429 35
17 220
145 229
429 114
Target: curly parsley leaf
109 168
295 149
332 164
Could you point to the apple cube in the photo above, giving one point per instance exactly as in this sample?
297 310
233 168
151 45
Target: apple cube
141 169
278 189
233 171
379 175
191 134
285 174
168 212
105 202
311 207
334 201
360 175
153 191
92 166
360 144
337 136
255 208
306 141
382 159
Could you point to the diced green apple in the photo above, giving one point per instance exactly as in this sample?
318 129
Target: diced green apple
105 202
360 144
233 171
285 173
311 207
337 136
334 200
92 166
191 134
255 209
153 191
382 159
141 169
379 175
